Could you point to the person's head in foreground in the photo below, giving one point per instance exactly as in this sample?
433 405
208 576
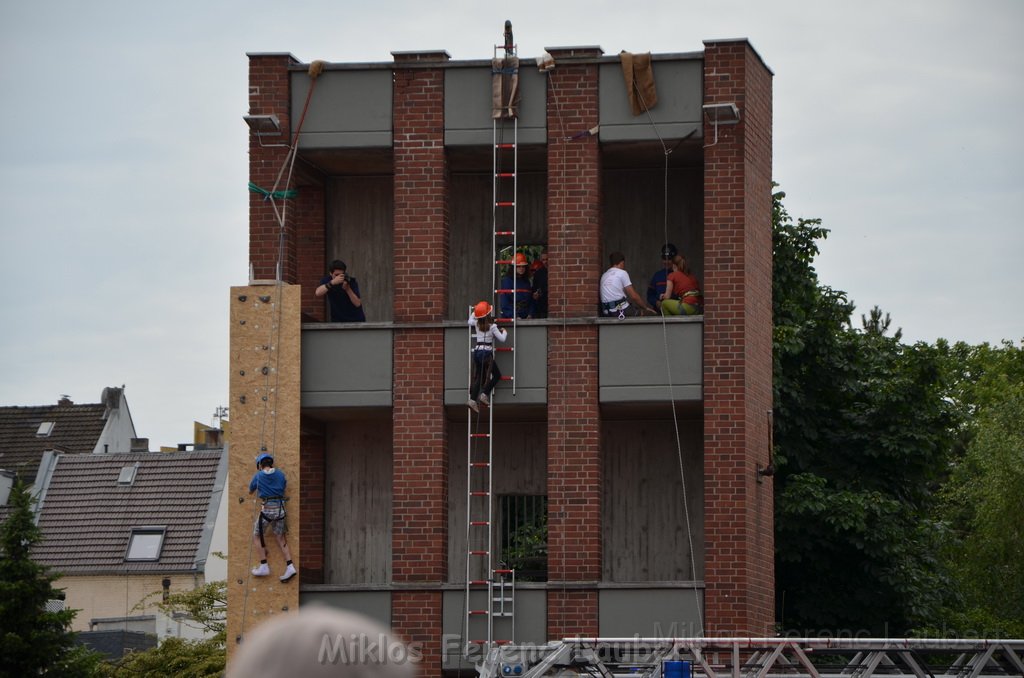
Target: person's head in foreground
323 641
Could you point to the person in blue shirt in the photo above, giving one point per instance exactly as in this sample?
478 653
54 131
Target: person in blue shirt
656 289
270 484
519 289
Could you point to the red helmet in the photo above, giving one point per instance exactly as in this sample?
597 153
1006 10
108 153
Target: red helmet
482 310
536 265
521 259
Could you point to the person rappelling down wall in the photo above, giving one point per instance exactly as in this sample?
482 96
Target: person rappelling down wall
485 368
270 483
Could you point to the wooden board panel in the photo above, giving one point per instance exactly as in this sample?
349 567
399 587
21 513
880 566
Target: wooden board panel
264 392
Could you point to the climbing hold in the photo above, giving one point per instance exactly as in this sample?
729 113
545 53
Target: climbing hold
242 297
265 370
241 399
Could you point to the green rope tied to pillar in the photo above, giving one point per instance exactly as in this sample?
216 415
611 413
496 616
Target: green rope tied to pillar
280 195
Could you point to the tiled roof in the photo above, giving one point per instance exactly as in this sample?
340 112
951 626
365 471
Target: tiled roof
87 517
76 429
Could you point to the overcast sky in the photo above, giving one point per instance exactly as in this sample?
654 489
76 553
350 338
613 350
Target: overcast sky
123 162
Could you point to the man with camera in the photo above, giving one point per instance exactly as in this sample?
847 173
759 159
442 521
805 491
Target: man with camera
342 293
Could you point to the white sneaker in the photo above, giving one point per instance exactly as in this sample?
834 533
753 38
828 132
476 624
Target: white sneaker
289 572
262 571
471 404
484 400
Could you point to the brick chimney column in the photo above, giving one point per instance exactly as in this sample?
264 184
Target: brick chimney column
419 542
574 424
738 514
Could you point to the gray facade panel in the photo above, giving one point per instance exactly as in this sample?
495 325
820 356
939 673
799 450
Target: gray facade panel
633 365
530 623
650 613
348 109
346 366
467 109
374 604
531 358
680 87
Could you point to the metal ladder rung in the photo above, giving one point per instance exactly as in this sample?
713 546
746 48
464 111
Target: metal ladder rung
479 493
480 464
480 435
504 233
479 612
505 203
479 523
503 572
507 378
506 175
478 582
478 553
504 349
505 145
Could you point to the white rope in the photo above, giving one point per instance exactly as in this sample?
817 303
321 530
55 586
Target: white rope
671 389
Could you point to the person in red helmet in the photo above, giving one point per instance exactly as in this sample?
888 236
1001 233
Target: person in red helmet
485 368
516 290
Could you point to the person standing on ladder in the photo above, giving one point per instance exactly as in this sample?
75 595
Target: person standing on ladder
485 368
270 483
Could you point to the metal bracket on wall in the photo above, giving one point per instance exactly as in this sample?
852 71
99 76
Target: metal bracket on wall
721 114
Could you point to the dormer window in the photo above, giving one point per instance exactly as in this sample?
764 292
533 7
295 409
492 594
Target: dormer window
145 544
45 429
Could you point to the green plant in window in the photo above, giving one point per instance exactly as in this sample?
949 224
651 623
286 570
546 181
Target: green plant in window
527 549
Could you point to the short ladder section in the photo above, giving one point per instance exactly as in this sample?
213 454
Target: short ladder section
504 210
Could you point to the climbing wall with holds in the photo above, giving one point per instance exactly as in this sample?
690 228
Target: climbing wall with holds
264 397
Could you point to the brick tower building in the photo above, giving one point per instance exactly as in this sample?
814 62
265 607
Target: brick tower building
631 447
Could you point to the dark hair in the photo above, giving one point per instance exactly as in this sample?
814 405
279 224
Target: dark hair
616 257
484 323
338 265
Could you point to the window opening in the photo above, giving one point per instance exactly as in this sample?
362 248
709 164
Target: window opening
523 537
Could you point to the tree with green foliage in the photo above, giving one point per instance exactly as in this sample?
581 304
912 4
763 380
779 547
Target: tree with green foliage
205 606
33 640
861 438
983 500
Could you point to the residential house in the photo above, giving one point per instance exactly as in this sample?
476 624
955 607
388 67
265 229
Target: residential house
124 529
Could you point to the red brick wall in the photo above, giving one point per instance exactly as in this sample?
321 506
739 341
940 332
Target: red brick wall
310 249
269 94
311 514
421 192
574 187
419 541
574 420
738 521
416 617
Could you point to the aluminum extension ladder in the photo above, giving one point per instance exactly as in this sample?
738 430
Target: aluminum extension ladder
489 597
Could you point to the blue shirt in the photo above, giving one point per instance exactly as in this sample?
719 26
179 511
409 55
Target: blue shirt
269 484
657 287
342 308
523 299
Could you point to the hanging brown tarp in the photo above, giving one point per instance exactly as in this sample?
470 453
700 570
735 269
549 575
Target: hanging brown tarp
505 87
639 76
